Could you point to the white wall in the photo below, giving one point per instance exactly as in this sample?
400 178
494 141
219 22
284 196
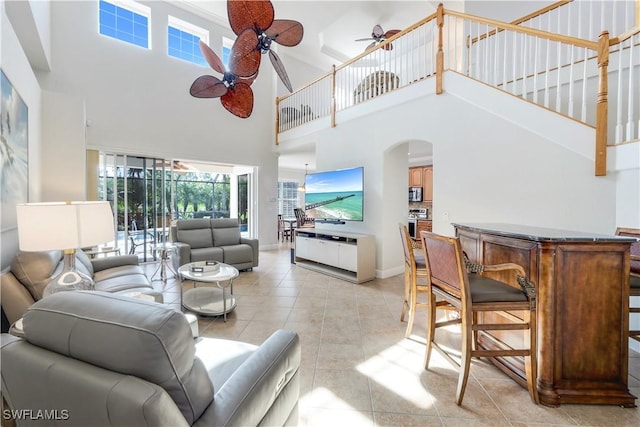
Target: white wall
16 67
488 167
67 165
137 102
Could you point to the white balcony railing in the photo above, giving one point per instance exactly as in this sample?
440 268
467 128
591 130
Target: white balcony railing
569 75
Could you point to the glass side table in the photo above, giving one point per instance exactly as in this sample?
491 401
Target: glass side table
163 251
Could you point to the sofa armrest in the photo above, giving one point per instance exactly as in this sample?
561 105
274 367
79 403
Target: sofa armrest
182 255
267 376
100 264
255 246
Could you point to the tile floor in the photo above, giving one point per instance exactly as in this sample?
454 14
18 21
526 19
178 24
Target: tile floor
359 370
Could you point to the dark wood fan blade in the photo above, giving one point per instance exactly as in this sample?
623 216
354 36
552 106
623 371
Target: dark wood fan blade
388 46
211 57
256 14
239 100
391 33
377 31
279 67
286 32
244 59
207 87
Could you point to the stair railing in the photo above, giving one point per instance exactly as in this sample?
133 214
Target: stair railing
625 96
565 74
584 19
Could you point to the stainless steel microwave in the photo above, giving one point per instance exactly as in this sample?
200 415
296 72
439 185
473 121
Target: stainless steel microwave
415 194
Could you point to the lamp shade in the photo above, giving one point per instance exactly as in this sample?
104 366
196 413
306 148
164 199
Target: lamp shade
63 225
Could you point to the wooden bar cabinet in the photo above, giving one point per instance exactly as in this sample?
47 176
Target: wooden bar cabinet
582 285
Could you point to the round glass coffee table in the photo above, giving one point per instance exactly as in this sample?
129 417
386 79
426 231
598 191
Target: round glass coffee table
209 301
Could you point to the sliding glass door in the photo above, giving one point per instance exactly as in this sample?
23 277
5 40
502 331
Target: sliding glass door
138 189
148 193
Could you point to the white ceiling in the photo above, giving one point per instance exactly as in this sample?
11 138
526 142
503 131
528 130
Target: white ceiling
330 27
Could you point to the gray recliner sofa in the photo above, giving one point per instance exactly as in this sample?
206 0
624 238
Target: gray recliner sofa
30 273
100 359
216 239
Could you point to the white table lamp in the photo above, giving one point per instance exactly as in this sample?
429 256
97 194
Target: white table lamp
65 226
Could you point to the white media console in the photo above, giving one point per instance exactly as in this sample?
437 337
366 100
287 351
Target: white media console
348 256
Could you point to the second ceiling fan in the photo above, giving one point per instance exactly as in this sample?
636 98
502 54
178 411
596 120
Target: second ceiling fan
378 35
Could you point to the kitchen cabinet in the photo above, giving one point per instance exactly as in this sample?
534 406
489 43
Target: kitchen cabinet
415 177
424 226
427 184
422 176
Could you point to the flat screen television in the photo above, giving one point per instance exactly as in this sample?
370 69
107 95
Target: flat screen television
335 196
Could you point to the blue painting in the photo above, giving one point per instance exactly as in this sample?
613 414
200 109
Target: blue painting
14 150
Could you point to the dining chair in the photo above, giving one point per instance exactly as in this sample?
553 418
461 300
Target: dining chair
284 232
415 277
463 285
634 277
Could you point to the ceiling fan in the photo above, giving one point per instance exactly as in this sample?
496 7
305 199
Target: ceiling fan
378 35
234 90
254 22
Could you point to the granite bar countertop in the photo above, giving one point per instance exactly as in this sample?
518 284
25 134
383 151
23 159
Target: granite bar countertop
539 234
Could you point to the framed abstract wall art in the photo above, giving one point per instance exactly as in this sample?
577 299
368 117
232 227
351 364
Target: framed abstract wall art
14 153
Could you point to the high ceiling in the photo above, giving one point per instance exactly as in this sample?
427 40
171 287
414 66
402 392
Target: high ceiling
330 27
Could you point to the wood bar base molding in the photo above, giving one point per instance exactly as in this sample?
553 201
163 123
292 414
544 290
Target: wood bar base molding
582 285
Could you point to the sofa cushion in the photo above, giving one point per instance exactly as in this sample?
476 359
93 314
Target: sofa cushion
123 283
207 254
195 232
226 231
226 236
130 336
122 270
34 269
220 365
238 254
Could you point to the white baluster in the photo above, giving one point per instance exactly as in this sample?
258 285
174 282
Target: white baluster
619 127
535 71
547 67
571 81
514 61
496 55
524 66
559 67
504 61
630 116
478 76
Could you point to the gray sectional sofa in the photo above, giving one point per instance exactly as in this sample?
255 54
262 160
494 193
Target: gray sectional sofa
100 359
30 273
216 239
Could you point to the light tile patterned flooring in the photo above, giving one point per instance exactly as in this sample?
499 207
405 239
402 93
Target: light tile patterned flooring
358 369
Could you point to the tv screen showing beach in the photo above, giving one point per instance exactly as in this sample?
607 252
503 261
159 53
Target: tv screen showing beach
335 195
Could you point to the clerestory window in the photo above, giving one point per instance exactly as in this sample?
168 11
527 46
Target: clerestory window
183 39
125 20
227 44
